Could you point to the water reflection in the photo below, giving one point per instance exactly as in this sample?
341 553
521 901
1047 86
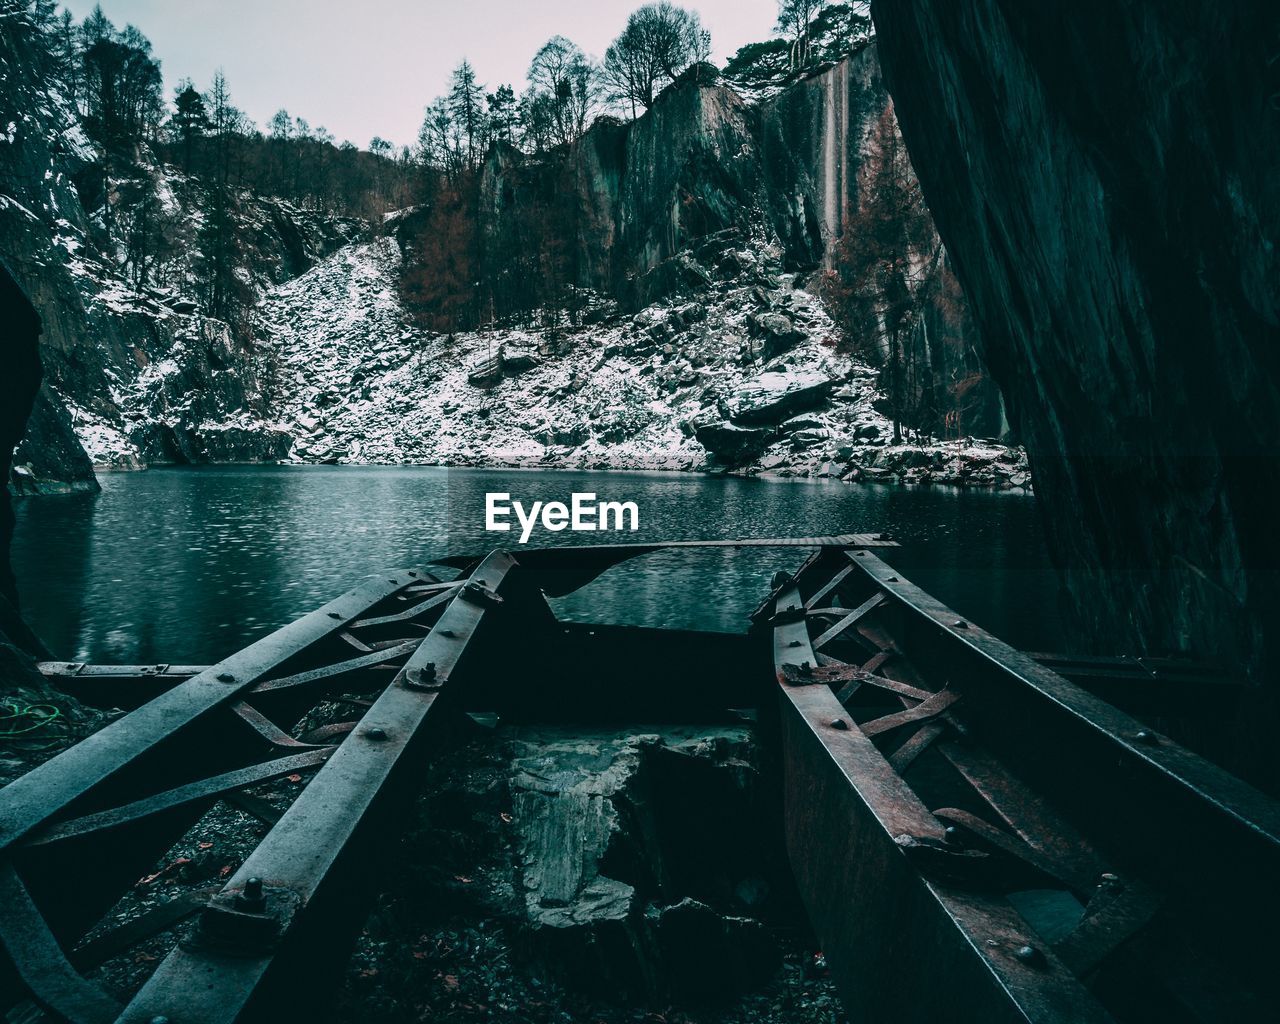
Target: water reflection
188 565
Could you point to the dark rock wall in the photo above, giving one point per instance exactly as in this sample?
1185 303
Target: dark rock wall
702 164
813 138
1105 177
692 171
37 167
19 382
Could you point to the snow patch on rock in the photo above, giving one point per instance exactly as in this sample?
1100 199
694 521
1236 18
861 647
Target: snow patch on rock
361 383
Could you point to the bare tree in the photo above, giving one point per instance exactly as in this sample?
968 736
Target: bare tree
795 18
563 73
659 42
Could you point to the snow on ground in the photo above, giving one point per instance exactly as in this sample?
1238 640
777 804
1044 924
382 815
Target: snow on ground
363 384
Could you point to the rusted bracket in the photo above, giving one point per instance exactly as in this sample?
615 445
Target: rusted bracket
934 706
867 606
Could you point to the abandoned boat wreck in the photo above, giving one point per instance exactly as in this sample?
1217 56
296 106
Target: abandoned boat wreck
974 834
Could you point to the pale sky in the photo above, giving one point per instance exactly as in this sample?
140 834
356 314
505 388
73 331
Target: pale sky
368 67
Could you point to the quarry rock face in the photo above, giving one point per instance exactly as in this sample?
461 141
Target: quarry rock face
132 375
1103 176
37 167
19 384
692 172
660 200
812 141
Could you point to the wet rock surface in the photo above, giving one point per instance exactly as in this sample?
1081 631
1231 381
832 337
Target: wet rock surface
1143 381
551 874
593 875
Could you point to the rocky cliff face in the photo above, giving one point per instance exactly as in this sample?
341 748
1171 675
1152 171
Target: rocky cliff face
40 154
1104 176
132 373
813 140
18 386
702 164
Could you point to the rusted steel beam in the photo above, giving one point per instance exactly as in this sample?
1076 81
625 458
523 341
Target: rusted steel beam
159 919
1149 909
864 609
192 793
116 686
998 672
935 705
42 793
273 905
413 611
920 741
894 686
828 587
61 671
871 862
31 948
267 730
337 670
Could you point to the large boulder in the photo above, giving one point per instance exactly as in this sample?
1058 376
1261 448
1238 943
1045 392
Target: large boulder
730 443
778 394
778 331
605 824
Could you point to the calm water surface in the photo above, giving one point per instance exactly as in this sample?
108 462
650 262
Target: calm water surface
188 565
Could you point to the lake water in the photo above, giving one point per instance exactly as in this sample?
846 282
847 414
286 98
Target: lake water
188 565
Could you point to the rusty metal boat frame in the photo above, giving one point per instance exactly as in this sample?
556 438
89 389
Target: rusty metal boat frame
968 828
978 838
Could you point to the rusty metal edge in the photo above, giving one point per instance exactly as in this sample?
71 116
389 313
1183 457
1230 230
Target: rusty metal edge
40 794
200 983
883 925
1135 742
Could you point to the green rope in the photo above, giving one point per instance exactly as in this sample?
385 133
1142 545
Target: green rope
23 719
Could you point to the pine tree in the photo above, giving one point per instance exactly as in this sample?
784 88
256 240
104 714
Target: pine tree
190 119
466 99
503 114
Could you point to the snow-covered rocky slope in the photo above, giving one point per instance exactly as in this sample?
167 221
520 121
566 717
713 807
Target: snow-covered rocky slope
738 377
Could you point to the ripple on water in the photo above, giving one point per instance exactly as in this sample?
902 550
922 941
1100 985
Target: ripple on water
188 565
